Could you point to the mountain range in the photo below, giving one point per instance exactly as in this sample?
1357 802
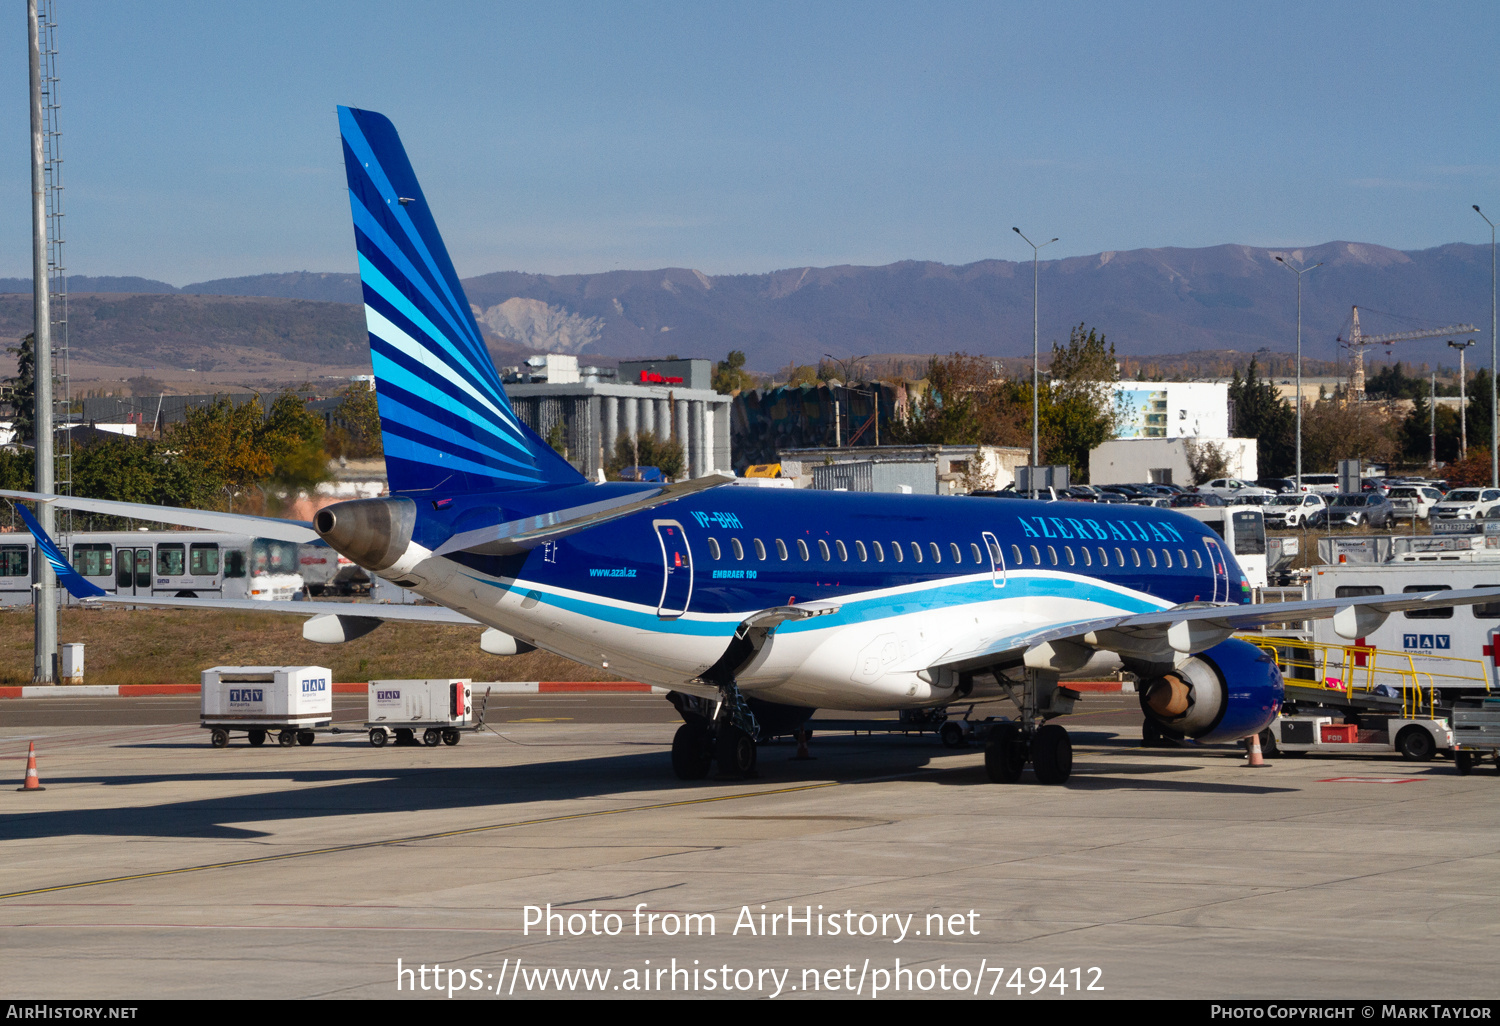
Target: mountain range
1147 302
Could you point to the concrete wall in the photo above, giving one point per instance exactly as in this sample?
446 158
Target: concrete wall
1131 460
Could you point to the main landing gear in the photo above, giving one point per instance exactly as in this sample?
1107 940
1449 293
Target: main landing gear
1030 739
721 733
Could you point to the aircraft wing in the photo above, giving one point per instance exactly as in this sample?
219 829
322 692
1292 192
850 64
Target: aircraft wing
1184 630
261 527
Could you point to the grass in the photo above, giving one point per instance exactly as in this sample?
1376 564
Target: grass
172 646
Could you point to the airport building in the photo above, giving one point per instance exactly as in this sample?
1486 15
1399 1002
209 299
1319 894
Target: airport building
908 469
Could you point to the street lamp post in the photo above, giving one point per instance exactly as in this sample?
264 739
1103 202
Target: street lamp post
1494 363
1463 397
1036 408
1299 274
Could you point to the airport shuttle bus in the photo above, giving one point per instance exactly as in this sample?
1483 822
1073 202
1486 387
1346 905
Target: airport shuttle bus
184 564
1243 530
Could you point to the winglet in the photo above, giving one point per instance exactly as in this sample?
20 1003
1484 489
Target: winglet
66 575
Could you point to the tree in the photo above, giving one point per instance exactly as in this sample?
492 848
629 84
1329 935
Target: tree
23 388
1478 413
1471 471
646 450
354 428
1334 431
293 440
1262 414
730 374
1079 412
140 470
1206 460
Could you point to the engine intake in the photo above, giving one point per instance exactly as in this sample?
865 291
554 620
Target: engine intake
1231 691
372 532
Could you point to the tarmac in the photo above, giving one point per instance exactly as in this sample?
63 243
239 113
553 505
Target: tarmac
154 866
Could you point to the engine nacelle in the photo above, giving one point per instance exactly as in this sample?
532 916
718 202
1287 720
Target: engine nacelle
1231 691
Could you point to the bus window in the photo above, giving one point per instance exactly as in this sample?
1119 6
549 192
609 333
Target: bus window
94 560
275 557
170 561
15 561
1249 533
203 560
234 563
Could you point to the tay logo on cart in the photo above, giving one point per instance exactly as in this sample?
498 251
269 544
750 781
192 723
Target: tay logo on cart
1425 642
246 694
315 684
387 696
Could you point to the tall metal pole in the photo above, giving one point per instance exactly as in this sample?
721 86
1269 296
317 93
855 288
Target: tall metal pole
1494 366
1463 397
1299 275
1036 376
46 592
1432 420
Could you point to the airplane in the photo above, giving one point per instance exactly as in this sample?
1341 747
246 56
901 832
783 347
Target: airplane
752 607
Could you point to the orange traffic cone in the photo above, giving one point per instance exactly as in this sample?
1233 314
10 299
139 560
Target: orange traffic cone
32 782
1254 746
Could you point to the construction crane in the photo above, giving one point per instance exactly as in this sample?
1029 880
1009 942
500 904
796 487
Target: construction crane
1358 343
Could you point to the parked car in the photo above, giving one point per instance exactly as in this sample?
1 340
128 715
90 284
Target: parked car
1322 484
1254 495
1467 504
1158 500
1279 485
1414 500
1223 486
1365 509
1188 500
1296 510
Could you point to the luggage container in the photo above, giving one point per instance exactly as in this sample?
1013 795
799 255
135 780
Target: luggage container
293 702
1476 733
442 709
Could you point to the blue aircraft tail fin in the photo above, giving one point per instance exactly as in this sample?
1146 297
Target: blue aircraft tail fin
77 585
445 420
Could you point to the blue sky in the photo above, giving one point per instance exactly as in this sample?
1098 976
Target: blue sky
201 140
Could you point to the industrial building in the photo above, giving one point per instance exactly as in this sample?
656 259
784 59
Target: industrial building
911 469
1165 460
1172 409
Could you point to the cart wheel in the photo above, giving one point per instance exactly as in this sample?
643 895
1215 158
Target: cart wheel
377 737
256 737
305 737
218 738
952 735
431 737
450 737
1415 744
1463 762
286 738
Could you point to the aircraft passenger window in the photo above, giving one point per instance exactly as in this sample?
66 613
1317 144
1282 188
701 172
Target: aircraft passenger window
958 553
739 550
977 557
1036 557
1197 560
1135 556
1166 556
1151 556
802 550
1103 557
1444 613
1119 556
1182 558
859 548
780 549
823 550
896 551
1087 559
1488 610
916 551
1068 552
760 549
842 551
879 552
937 553
203 560
1016 551
1052 554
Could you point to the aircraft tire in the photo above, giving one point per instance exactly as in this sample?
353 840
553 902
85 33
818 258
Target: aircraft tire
692 752
1005 754
1052 755
735 752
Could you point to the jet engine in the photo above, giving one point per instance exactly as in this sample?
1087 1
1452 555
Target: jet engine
1231 691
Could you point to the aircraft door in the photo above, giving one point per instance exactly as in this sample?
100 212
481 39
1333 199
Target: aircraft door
997 560
1220 567
677 566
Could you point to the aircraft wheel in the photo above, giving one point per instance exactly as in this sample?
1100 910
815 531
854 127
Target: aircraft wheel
451 737
431 737
1005 754
218 738
286 738
256 737
305 737
735 752
1052 755
1415 744
692 751
1464 763
377 737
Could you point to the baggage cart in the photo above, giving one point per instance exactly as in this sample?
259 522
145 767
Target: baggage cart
1476 735
442 710
291 702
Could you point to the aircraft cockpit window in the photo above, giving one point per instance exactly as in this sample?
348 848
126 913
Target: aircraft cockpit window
781 549
879 552
843 552
802 550
1052 554
1197 560
760 549
713 548
859 549
823 550
1016 551
1036 557
916 551
739 550
937 553
896 551
1151 556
